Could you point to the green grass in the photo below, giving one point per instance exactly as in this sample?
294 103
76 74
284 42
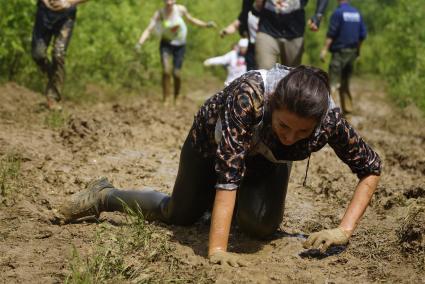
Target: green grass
10 166
56 119
112 249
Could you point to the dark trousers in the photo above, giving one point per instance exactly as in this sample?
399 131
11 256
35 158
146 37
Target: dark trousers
250 58
168 51
340 71
58 26
260 198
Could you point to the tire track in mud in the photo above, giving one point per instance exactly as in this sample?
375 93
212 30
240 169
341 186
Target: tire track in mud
136 142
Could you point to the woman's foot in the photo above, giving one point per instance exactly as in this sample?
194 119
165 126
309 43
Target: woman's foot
87 202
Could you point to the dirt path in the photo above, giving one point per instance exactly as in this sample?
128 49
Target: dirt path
136 143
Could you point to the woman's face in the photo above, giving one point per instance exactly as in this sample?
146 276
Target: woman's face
291 128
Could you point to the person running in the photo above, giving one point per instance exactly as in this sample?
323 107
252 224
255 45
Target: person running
54 19
233 60
247 24
237 161
281 31
345 35
173 30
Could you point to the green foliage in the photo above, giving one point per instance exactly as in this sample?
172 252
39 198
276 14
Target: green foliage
102 48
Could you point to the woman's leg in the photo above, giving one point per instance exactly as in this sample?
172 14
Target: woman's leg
261 197
266 51
192 195
178 57
166 54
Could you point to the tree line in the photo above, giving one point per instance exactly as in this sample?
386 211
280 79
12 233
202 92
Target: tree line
102 49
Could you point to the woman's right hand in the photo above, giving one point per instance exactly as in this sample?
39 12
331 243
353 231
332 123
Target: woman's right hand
227 258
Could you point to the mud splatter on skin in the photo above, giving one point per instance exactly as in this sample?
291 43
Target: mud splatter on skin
136 143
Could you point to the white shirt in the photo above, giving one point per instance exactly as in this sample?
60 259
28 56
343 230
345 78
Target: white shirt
235 63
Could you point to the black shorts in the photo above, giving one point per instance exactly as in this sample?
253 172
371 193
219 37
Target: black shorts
177 51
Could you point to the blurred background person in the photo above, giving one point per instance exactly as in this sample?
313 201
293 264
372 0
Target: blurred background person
234 61
345 35
54 19
170 24
247 24
281 31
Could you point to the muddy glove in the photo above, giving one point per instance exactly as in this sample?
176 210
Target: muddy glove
223 258
326 238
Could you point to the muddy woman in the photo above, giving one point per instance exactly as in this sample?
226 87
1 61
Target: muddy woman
236 161
54 20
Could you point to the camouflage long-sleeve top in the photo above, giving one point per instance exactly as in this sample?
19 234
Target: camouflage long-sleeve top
236 122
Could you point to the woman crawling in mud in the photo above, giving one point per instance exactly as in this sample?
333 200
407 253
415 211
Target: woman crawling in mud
236 161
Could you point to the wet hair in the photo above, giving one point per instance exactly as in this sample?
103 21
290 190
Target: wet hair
304 91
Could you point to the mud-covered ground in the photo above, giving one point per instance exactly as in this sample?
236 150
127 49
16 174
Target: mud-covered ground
135 142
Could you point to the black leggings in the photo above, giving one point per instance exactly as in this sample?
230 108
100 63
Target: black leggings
260 198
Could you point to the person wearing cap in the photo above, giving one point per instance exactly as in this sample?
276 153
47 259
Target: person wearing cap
54 19
169 23
237 159
344 38
247 24
281 31
233 60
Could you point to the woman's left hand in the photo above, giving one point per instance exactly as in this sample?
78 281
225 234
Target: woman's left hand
326 238
223 258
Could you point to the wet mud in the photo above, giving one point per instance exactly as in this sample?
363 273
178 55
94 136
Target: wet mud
136 141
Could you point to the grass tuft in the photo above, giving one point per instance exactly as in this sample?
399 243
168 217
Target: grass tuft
10 166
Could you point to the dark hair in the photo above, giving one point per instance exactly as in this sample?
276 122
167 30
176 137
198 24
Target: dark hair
304 91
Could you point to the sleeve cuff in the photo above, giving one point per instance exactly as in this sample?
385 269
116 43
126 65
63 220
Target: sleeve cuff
227 186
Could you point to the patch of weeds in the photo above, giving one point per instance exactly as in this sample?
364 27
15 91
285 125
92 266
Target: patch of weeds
10 166
121 253
56 119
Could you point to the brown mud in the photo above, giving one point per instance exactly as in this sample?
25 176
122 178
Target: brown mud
135 142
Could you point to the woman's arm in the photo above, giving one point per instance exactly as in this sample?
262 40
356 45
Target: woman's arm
230 29
221 219
146 33
58 5
361 198
324 239
195 21
76 2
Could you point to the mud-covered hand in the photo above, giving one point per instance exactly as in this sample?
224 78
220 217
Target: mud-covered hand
324 239
227 258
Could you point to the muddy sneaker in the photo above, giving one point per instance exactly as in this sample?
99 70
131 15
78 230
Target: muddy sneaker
87 202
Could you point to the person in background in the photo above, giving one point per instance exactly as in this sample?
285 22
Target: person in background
233 60
170 24
247 24
281 31
237 159
344 38
54 19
